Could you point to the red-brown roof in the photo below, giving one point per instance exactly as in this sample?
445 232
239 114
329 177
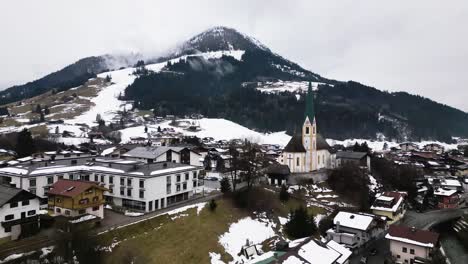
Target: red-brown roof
421 236
71 188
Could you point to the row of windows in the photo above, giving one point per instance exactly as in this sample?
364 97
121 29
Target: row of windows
68 212
101 178
405 250
12 216
178 187
179 177
23 203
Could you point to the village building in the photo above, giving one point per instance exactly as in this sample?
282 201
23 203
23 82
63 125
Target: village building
306 251
307 151
410 245
434 147
131 184
19 211
158 154
277 174
446 198
353 230
361 159
390 205
408 146
71 198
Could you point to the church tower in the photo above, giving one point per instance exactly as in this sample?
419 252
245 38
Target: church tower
309 132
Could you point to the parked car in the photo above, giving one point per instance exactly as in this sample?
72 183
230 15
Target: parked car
363 260
373 252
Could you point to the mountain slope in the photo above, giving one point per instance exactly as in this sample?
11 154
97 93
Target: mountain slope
235 89
222 73
71 76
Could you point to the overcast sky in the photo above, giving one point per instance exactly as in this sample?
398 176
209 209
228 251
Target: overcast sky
415 46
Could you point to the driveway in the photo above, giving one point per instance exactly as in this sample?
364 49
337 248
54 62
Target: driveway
383 251
114 220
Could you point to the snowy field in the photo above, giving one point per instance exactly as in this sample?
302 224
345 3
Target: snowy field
287 86
219 129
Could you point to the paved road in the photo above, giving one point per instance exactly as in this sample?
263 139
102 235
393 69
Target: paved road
428 219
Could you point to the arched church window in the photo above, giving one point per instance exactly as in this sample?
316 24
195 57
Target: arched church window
307 130
313 130
298 161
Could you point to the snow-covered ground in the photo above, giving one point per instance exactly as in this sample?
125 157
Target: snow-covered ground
379 145
287 86
106 103
219 129
245 229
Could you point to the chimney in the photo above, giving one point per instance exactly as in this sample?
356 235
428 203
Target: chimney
337 226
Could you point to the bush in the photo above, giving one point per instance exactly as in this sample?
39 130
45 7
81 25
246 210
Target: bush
284 195
300 224
212 205
225 185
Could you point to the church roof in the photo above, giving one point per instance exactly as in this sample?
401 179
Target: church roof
309 108
322 143
295 144
278 169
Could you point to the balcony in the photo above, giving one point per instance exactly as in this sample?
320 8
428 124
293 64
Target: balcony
34 218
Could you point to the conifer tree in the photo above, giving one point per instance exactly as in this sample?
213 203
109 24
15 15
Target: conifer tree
25 144
225 185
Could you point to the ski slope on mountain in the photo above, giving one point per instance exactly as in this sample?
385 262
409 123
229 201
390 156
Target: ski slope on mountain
107 103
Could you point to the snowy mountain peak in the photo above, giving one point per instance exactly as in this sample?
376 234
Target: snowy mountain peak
220 38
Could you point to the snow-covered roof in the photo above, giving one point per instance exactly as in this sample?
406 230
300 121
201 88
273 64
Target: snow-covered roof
451 182
444 192
318 254
388 201
356 221
170 170
385 198
345 253
108 151
14 170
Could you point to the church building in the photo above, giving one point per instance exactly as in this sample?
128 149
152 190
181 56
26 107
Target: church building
307 151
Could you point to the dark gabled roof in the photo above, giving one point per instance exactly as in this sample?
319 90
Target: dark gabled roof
278 169
295 144
322 143
350 155
417 235
71 188
7 193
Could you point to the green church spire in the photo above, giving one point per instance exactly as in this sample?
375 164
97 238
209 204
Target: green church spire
309 110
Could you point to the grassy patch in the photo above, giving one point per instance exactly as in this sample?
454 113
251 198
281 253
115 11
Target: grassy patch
187 239
79 96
